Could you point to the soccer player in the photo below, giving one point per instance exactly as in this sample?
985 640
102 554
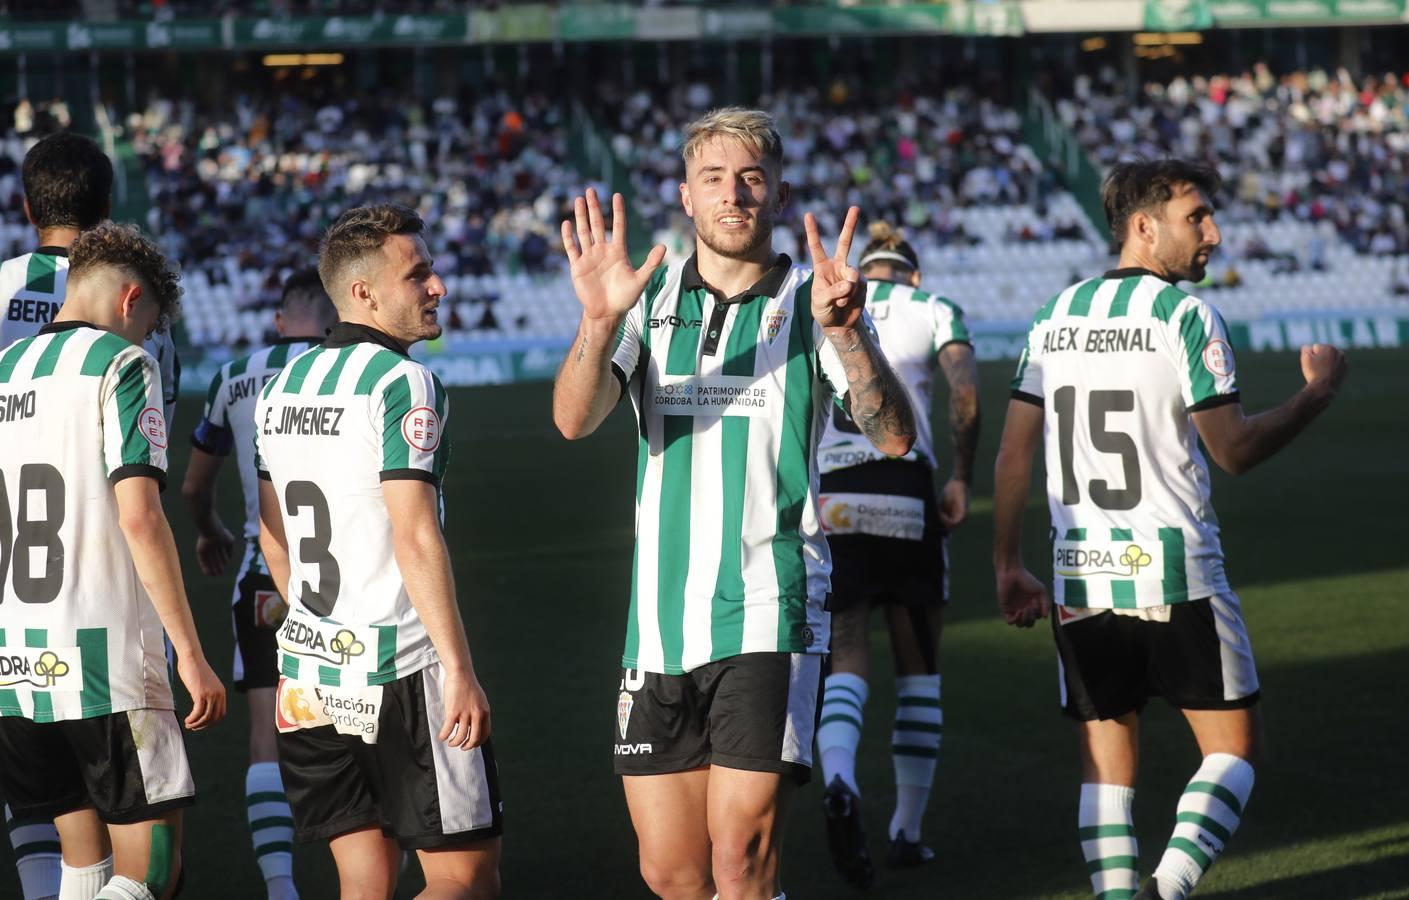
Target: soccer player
888 538
732 360
1124 374
303 318
67 183
88 733
383 727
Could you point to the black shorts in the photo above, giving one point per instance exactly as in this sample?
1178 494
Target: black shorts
755 711
875 569
257 613
1111 664
129 766
414 787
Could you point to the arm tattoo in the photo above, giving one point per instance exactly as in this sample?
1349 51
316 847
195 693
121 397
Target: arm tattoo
581 351
961 371
875 400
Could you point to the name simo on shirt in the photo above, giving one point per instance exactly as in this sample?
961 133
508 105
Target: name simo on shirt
1099 340
14 407
309 421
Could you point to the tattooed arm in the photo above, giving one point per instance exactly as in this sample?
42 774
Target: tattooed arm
586 388
956 360
874 398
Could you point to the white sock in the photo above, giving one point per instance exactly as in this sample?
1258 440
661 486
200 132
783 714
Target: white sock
83 882
843 699
1107 827
1209 812
123 888
914 750
271 827
36 844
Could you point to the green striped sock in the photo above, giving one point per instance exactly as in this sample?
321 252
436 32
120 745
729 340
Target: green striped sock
270 820
839 731
1209 812
1107 828
914 750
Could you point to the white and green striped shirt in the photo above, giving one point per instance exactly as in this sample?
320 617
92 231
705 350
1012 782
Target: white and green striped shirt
731 397
1119 364
228 421
80 409
913 327
329 428
32 290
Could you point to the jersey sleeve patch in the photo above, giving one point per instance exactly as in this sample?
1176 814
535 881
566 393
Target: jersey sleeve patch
414 413
134 423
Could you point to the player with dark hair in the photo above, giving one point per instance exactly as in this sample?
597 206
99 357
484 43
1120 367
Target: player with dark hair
383 726
889 543
1124 375
88 733
302 320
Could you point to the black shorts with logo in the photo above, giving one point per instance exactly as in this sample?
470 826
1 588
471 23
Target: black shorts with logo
257 613
1111 664
868 568
755 711
415 788
130 766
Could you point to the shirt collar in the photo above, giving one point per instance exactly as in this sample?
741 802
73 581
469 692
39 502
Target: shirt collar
767 286
53 251
1135 272
305 339
66 325
345 334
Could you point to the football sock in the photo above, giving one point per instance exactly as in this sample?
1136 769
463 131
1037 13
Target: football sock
843 698
914 750
124 888
36 844
1208 814
1107 828
271 826
82 882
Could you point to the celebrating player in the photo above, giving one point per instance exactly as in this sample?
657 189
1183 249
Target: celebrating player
304 317
731 360
88 733
888 541
1124 374
383 728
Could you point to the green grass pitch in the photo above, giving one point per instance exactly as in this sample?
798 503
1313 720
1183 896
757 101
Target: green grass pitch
541 531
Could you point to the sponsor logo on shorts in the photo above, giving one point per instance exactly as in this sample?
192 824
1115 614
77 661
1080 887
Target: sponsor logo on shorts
1072 559
355 711
151 422
882 515
623 712
421 428
42 668
270 610
633 749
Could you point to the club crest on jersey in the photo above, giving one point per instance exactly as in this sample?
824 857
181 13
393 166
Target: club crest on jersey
151 422
269 609
623 712
774 323
421 428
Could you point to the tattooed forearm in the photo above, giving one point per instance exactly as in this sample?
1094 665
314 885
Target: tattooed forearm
875 400
581 351
961 371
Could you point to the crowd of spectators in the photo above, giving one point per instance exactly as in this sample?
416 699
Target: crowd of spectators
258 182
1312 146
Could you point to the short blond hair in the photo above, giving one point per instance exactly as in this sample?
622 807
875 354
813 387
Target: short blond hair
753 128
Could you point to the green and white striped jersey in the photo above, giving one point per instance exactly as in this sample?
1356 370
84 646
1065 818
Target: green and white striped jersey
913 327
80 409
329 428
228 420
1119 364
731 397
32 290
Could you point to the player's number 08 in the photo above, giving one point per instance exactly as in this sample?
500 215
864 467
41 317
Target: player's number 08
42 486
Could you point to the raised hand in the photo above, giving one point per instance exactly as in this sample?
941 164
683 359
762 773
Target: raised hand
838 290
606 283
1323 362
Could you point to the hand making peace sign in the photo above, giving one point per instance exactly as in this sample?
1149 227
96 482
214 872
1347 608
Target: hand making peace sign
838 290
602 275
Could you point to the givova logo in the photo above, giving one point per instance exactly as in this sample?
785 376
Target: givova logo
41 668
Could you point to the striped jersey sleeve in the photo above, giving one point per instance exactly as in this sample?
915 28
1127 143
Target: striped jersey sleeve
949 325
134 421
413 411
213 433
626 355
261 471
1203 355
